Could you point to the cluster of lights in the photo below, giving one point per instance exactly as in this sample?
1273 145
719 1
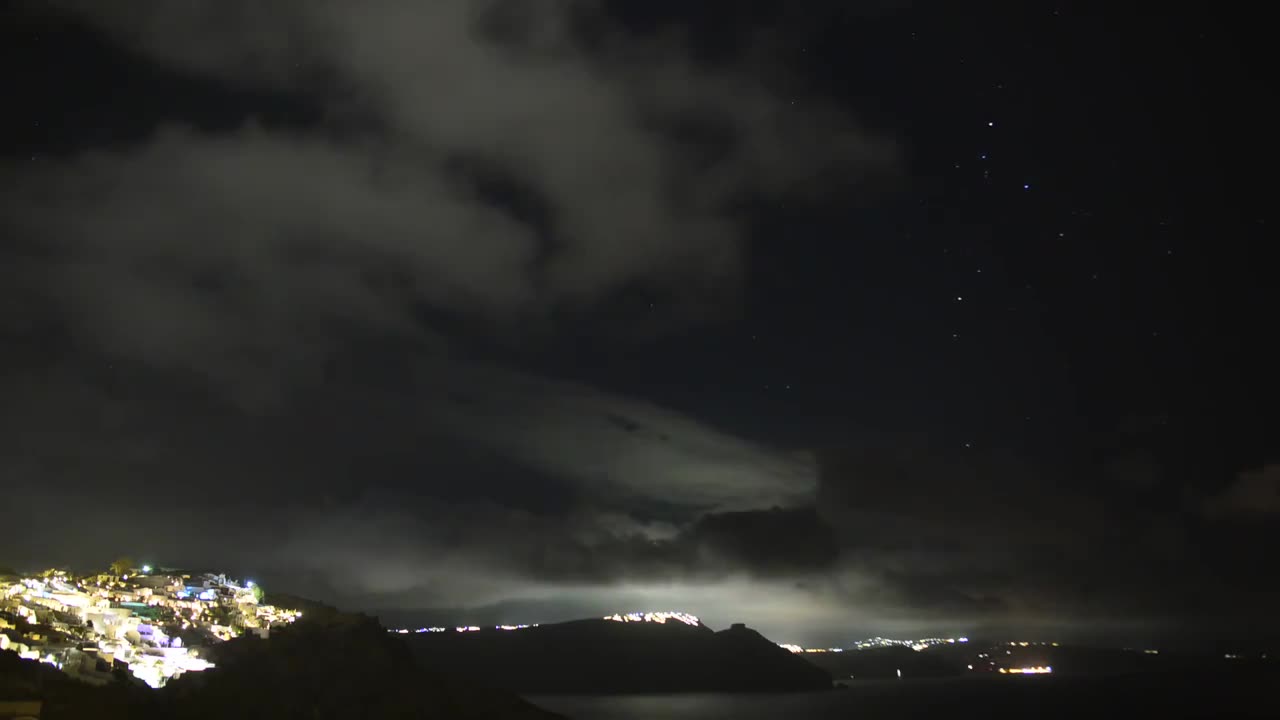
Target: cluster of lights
917 645
460 628
655 617
880 642
1036 670
107 613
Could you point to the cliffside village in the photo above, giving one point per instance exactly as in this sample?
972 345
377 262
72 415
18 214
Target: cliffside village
152 625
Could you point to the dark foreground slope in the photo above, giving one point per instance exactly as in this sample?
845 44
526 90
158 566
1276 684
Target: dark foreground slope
598 656
342 667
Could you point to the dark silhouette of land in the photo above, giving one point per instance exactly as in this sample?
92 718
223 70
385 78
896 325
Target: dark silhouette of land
339 666
601 656
955 660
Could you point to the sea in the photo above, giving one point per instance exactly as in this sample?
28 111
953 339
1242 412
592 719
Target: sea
988 698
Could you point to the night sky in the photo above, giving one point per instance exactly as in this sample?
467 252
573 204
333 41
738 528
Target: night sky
839 319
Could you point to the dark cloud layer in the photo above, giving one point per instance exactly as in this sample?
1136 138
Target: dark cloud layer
495 182
263 318
1112 544
1254 493
298 348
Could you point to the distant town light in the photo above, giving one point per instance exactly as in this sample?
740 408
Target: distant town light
146 568
655 617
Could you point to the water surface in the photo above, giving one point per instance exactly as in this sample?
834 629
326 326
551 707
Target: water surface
1164 696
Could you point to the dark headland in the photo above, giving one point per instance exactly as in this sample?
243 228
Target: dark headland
338 666
600 657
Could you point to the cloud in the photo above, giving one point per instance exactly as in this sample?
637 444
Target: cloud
278 329
257 326
1254 493
982 535
623 451
499 177
475 480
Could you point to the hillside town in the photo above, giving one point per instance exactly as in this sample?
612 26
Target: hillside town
882 642
659 618
152 625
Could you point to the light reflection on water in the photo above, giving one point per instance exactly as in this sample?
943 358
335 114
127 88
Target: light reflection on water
1006 696
868 699
697 706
